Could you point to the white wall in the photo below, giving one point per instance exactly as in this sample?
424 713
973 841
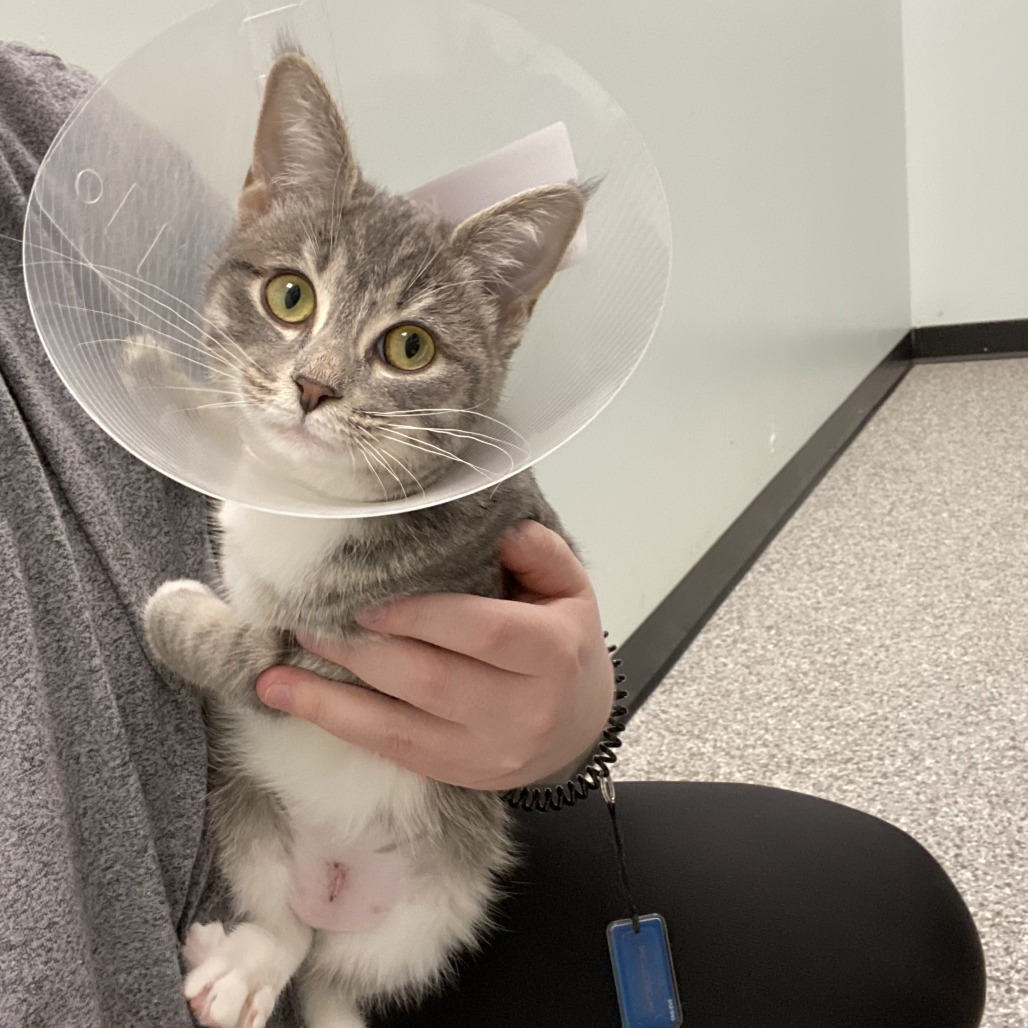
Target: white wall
967 133
95 35
778 127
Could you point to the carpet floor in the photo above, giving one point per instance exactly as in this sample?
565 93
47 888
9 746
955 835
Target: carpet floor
877 653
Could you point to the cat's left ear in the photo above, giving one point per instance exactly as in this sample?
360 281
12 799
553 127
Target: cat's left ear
517 244
301 146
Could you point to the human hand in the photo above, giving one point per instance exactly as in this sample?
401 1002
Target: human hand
484 693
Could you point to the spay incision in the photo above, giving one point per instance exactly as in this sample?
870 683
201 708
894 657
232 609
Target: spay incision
364 341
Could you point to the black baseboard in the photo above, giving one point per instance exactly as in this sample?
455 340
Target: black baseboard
961 342
653 648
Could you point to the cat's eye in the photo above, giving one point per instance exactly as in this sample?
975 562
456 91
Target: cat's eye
408 347
290 298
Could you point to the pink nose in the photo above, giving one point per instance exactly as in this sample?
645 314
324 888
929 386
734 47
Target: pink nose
312 392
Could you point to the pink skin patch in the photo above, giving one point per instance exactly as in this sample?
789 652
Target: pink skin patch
344 887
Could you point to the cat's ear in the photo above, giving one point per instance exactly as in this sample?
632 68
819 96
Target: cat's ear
517 244
302 145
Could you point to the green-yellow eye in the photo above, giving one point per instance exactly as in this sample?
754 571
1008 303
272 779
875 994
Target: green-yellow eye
290 298
408 347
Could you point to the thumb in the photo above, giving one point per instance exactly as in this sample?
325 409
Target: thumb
543 563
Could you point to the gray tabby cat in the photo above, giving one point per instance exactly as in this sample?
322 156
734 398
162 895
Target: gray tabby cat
376 337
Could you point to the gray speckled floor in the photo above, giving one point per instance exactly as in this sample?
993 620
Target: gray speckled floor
877 654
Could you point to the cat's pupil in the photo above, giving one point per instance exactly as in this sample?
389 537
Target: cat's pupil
412 346
292 296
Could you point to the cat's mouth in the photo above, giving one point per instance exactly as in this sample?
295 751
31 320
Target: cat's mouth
331 461
293 438
300 432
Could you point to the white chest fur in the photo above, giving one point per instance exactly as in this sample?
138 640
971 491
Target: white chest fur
275 549
323 779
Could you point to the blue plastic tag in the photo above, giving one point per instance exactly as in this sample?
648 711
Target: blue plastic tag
643 975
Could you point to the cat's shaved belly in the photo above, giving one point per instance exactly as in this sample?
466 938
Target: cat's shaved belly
345 870
345 886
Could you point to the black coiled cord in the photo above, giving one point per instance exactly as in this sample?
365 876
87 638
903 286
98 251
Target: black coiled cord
566 794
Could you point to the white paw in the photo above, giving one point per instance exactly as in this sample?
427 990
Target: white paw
224 988
178 587
172 606
201 942
144 350
229 1003
146 361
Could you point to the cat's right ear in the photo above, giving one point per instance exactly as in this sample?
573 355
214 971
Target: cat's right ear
517 244
302 147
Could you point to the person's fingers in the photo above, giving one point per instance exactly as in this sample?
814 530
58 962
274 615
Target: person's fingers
495 631
443 683
488 630
543 563
396 731
350 712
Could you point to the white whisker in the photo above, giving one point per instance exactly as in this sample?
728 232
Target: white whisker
182 333
128 284
212 406
376 454
226 355
371 468
426 264
422 411
493 442
431 448
133 321
434 291
120 341
194 389
406 470
335 208
382 452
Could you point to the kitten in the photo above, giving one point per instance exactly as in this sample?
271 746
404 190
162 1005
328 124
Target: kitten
373 340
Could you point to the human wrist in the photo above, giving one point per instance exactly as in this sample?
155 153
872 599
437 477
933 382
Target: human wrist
576 780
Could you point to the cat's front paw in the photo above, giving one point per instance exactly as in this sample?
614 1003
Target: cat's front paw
146 361
223 988
171 617
175 591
